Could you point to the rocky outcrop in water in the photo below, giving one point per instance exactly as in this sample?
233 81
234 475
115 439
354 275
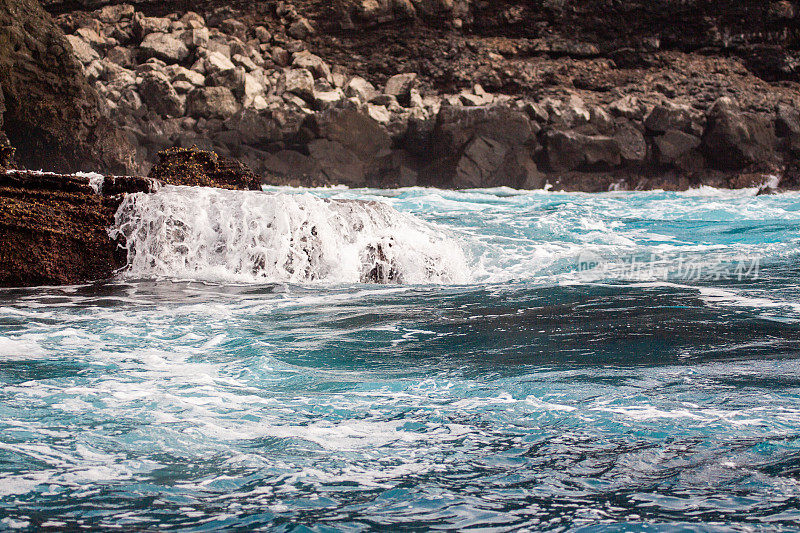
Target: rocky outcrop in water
51 115
53 227
573 94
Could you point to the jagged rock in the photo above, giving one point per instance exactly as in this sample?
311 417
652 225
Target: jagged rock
211 102
114 14
338 163
53 117
314 64
631 141
568 151
179 73
734 140
121 56
160 96
300 82
628 107
217 62
354 130
360 88
144 26
233 79
674 145
400 86
327 99
164 47
82 50
196 38
669 117
300 29
788 120
191 166
379 114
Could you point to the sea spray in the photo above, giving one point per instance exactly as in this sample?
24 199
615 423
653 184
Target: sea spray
248 236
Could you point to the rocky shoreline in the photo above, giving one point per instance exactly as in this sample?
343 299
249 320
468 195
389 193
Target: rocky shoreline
288 89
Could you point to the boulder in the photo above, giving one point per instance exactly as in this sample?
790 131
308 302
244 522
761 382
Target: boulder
674 145
787 123
217 62
669 117
211 102
568 151
300 29
190 166
631 141
300 82
627 107
164 47
354 130
314 64
82 50
144 26
400 87
338 163
734 140
360 88
160 96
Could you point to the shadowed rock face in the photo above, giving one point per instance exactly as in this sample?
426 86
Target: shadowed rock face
52 115
190 166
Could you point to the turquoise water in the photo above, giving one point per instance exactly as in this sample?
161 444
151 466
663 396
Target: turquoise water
624 361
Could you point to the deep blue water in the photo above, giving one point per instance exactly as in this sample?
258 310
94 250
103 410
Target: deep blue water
614 362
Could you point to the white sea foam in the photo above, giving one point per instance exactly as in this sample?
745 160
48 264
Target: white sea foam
212 234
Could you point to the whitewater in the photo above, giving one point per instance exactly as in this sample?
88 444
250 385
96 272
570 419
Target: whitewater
355 359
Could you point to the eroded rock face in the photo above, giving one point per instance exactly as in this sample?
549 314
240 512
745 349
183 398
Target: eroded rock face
190 166
52 116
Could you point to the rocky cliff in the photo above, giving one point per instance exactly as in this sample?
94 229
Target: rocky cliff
576 94
50 114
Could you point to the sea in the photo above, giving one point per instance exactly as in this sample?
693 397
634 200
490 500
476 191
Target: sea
415 359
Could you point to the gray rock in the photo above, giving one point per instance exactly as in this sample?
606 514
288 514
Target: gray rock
361 89
314 64
178 73
628 107
632 144
400 87
211 102
338 163
83 51
355 130
217 62
788 120
160 96
144 26
300 82
233 79
300 29
164 47
121 56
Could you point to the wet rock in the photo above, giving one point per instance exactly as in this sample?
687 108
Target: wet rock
191 166
337 162
355 131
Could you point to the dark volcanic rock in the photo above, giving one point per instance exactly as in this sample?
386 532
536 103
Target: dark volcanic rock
734 140
53 228
190 166
52 116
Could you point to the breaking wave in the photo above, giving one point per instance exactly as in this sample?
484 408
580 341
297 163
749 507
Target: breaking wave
252 236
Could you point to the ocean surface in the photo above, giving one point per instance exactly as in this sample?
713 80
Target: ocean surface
528 361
